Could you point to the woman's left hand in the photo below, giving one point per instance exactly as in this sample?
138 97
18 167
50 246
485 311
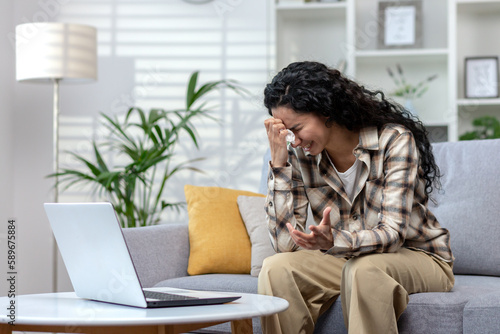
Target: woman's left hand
321 236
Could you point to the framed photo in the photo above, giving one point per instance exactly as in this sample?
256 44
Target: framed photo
400 24
481 77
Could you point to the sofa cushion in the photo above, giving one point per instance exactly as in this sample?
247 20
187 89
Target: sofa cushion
482 309
425 310
489 283
468 203
481 314
214 282
218 239
254 216
332 321
158 252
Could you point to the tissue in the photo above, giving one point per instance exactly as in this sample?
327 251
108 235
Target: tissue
290 137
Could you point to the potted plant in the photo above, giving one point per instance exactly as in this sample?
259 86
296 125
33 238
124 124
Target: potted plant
409 92
485 127
146 142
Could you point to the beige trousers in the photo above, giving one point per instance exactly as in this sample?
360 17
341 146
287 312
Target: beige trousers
374 288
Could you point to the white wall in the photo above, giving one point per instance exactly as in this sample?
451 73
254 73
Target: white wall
234 149
7 108
6 131
32 161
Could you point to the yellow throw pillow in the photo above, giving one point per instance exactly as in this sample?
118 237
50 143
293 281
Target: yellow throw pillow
218 239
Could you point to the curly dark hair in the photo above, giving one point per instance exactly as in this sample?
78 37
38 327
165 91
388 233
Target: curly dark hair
312 87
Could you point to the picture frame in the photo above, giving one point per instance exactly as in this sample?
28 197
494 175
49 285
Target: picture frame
481 77
400 24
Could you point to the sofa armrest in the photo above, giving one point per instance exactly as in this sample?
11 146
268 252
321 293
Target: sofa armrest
158 252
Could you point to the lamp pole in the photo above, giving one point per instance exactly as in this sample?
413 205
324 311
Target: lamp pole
53 52
55 139
55 168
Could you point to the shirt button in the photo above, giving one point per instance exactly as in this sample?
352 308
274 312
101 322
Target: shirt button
355 217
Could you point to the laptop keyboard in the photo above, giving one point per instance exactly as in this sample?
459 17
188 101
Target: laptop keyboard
165 296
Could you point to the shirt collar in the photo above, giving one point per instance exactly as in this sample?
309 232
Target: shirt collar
368 139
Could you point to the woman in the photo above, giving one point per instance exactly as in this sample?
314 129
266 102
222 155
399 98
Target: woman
366 169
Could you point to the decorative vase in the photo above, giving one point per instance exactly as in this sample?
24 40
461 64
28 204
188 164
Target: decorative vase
410 107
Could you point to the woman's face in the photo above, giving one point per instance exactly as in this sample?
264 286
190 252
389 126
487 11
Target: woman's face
310 130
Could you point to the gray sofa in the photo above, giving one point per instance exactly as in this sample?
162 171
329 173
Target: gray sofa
468 205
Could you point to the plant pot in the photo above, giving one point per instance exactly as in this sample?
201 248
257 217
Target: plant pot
410 107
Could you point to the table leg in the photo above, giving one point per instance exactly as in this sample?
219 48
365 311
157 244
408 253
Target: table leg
242 326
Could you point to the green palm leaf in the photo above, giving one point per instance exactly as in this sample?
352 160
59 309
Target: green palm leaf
144 144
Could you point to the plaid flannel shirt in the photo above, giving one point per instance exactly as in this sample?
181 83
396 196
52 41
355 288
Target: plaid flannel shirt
389 209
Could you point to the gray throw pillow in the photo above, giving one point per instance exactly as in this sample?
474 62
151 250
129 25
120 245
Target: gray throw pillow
254 216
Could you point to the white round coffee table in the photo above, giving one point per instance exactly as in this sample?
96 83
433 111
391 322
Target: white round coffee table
66 313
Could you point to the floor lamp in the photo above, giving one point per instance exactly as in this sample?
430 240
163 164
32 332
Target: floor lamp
53 52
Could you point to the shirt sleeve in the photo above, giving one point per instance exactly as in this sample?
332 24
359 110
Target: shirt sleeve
286 202
394 195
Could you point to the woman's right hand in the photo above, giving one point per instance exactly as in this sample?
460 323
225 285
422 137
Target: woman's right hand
276 133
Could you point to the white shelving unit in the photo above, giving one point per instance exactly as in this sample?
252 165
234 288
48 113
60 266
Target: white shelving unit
412 53
347 31
478 23
478 102
314 31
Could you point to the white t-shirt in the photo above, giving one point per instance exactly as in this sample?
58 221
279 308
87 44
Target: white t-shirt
350 177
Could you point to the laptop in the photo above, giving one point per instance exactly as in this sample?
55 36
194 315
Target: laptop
99 264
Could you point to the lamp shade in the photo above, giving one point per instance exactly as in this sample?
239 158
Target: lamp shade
52 50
